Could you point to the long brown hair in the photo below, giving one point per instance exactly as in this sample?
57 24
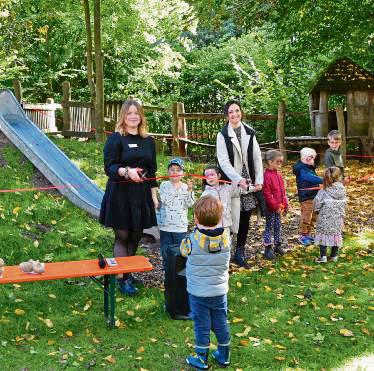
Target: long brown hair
332 174
121 126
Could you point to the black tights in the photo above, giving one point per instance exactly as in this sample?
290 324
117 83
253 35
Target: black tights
126 243
245 216
323 250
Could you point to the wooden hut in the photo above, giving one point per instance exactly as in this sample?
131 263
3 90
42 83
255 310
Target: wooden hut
347 78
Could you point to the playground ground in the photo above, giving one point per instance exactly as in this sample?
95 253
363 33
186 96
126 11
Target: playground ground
60 324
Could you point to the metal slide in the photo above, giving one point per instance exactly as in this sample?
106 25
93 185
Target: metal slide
47 157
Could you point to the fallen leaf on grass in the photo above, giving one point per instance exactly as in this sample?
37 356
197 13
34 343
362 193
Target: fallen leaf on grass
339 291
47 322
268 289
237 319
244 342
268 341
130 313
273 320
110 359
280 358
19 312
51 342
244 333
239 284
281 347
345 332
140 350
95 341
69 333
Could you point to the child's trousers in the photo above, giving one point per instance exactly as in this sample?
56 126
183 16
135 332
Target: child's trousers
210 314
273 225
307 218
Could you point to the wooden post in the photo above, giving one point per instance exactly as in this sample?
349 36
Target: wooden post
51 116
280 128
175 129
66 97
341 128
322 125
182 131
18 90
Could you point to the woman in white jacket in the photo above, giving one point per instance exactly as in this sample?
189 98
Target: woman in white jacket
239 157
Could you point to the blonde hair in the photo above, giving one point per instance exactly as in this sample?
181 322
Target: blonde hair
272 154
332 174
306 152
121 126
334 134
208 211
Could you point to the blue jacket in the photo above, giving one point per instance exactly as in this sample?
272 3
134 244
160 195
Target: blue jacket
306 177
208 257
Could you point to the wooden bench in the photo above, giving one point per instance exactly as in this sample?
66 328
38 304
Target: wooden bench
84 268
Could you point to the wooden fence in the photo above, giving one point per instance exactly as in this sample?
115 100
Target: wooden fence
197 130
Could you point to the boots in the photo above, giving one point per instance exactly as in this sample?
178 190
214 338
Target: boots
222 355
239 257
268 253
200 361
279 249
126 286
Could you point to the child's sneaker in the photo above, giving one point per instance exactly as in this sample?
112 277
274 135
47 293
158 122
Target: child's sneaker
200 361
311 239
222 355
278 249
321 259
268 253
304 240
332 259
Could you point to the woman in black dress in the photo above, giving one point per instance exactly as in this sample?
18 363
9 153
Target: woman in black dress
129 202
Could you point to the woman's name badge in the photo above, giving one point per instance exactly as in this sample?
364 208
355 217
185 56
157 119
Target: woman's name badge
133 145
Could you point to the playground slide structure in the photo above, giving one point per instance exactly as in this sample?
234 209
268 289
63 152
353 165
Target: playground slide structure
49 159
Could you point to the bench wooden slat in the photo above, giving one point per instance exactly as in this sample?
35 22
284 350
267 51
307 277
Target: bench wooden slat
73 269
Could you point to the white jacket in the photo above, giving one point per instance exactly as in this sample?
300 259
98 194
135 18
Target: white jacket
240 158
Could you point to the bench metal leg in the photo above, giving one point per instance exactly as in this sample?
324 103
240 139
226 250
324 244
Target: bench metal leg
109 299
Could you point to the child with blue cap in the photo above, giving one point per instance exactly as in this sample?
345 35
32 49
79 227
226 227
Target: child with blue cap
176 197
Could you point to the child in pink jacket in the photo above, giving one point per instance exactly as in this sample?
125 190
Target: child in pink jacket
276 203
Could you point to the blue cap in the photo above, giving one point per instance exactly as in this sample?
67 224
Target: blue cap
176 161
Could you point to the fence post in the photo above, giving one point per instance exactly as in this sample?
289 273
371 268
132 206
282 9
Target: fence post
175 129
66 97
51 116
18 90
341 128
182 131
280 128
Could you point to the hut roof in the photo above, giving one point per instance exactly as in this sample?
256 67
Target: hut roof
343 75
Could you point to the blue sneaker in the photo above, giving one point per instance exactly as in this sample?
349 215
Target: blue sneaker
311 239
304 240
222 355
126 287
200 361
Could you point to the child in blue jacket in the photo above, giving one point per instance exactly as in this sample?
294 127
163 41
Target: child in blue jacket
306 178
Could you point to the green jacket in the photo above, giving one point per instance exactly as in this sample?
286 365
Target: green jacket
334 158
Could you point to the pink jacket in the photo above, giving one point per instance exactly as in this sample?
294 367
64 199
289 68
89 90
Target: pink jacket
274 190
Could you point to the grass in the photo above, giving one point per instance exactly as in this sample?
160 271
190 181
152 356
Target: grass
272 325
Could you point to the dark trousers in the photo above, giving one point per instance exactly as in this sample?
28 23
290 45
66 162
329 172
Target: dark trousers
245 216
210 314
273 225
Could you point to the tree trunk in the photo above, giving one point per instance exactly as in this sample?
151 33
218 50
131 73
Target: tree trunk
99 99
90 77
280 128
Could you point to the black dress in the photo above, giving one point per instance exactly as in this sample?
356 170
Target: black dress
126 204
